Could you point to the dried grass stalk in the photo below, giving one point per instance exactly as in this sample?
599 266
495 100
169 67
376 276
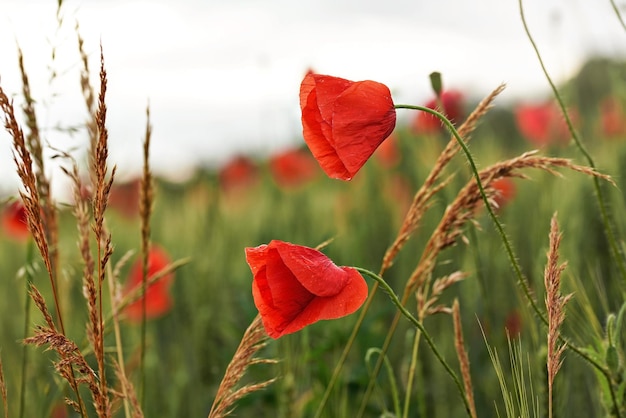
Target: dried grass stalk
72 360
429 188
41 305
88 94
128 391
461 353
555 304
428 307
103 238
30 195
468 201
34 144
253 340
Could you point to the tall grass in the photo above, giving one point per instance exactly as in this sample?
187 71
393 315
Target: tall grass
463 269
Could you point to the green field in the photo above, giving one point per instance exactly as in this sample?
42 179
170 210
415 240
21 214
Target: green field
206 226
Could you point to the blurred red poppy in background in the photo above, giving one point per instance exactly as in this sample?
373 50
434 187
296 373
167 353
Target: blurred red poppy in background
612 118
344 121
124 198
239 173
504 190
542 124
295 286
388 154
452 101
158 300
15 221
293 168
513 324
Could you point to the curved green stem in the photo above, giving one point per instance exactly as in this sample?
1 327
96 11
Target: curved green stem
596 182
411 375
619 15
492 215
394 298
617 254
344 354
507 245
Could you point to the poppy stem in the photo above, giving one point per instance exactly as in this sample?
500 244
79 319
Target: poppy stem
396 301
521 280
492 215
607 219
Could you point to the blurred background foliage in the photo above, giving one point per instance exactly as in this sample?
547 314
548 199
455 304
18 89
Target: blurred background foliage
211 221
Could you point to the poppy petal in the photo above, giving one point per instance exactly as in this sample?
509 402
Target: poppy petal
362 128
317 132
285 276
344 121
316 272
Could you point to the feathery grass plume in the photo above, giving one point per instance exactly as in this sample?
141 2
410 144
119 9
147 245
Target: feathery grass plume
462 210
90 101
30 195
419 205
420 201
30 198
555 304
128 391
252 341
34 144
103 237
468 200
146 198
71 359
459 345
3 391
63 367
605 214
95 331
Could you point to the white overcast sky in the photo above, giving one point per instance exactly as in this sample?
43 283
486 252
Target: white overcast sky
222 76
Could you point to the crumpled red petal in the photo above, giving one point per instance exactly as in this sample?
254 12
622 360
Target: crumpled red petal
295 286
362 128
344 121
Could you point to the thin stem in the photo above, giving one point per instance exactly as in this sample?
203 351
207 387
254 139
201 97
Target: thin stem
394 298
118 341
411 377
596 182
507 245
492 215
346 351
29 281
379 363
619 15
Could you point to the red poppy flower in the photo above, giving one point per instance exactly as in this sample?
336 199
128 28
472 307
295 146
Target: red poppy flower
542 124
344 121
15 221
388 154
452 101
124 198
295 286
612 118
513 324
504 190
239 173
292 168
158 300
